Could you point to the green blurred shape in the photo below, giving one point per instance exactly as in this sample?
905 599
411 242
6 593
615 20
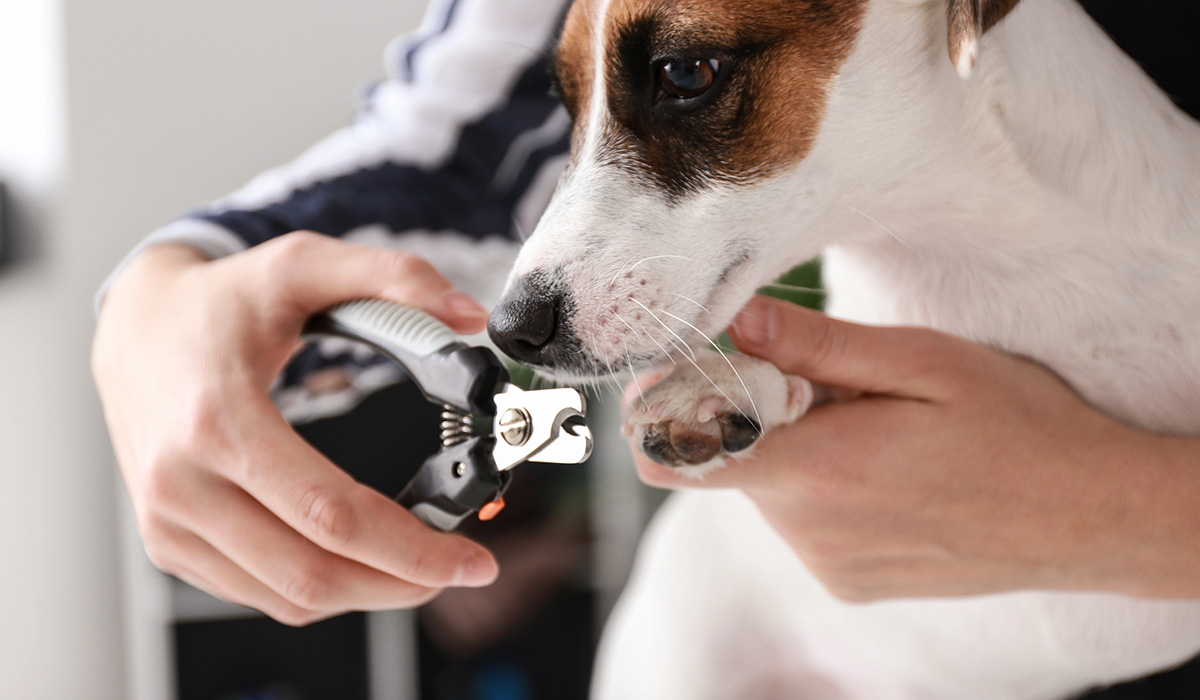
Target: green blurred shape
800 285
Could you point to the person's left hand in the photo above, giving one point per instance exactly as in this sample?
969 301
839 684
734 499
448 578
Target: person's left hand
945 469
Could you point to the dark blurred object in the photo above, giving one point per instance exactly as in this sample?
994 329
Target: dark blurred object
536 561
549 657
1181 684
383 441
530 639
530 636
1163 36
800 285
6 225
258 659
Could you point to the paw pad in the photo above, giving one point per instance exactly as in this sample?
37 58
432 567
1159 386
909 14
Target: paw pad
678 443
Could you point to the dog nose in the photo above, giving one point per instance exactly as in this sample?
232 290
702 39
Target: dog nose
528 325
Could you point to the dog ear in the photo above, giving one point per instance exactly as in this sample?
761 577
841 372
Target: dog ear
967 20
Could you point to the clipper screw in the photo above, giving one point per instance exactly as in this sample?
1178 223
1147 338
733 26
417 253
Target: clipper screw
515 426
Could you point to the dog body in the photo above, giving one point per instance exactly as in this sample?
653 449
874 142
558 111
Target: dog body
1044 206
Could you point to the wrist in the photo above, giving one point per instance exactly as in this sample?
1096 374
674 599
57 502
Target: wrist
144 280
155 266
1150 538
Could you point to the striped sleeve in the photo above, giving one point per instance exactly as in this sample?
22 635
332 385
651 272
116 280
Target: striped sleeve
451 140
451 156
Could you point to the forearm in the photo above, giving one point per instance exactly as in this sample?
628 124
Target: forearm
438 145
1150 536
958 471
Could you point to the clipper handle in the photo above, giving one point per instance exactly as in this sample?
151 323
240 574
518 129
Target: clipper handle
445 369
455 483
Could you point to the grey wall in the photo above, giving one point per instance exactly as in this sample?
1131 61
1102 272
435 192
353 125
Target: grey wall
167 104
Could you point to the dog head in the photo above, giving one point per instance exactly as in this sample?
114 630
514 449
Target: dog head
692 170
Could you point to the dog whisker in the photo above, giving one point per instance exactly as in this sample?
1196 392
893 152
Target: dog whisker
664 325
675 344
691 300
520 232
638 384
657 257
627 268
753 405
621 271
699 368
872 219
648 335
793 288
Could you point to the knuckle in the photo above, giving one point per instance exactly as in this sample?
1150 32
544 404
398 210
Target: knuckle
418 566
159 555
283 264
401 265
423 597
846 578
296 245
829 557
852 593
327 518
293 616
158 543
936 355
824 343
159 489
842 583
154 528
201 422
309 588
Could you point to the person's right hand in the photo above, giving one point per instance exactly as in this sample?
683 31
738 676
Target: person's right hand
227 496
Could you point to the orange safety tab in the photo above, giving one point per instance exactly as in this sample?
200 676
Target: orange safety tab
491 510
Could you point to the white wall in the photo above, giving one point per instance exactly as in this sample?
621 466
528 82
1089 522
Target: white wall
169 103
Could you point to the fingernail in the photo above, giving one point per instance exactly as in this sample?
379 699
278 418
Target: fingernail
463 306
757 322
476 571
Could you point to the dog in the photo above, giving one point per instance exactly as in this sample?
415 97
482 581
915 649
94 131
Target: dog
994 169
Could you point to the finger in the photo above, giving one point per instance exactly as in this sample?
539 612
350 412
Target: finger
309 272
198 563
910 362
325 505
823 447
287 563
733 474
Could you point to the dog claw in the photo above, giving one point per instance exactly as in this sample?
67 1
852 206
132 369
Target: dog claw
681 421
738 432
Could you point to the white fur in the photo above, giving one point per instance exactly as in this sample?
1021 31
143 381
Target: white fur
1046 206
705 385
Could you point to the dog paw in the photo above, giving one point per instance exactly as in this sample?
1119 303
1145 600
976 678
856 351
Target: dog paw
698 414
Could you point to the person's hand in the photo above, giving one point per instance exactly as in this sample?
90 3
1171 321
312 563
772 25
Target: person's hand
945 468
227 496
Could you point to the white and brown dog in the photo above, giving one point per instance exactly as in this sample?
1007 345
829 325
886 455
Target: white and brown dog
1036 192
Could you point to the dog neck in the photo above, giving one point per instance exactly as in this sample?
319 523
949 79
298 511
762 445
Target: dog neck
1044 206
1055 128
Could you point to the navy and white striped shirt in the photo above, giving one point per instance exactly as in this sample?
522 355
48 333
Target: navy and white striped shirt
451 156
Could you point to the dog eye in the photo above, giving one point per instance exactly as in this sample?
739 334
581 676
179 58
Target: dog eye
687 79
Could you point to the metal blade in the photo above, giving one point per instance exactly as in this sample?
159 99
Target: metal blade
544 425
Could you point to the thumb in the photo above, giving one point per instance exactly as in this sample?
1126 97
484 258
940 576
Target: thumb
872 359
308 272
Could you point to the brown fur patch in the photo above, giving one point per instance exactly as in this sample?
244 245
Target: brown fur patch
573 61
967 20
778 63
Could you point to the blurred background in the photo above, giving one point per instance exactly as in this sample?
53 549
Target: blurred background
115 118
